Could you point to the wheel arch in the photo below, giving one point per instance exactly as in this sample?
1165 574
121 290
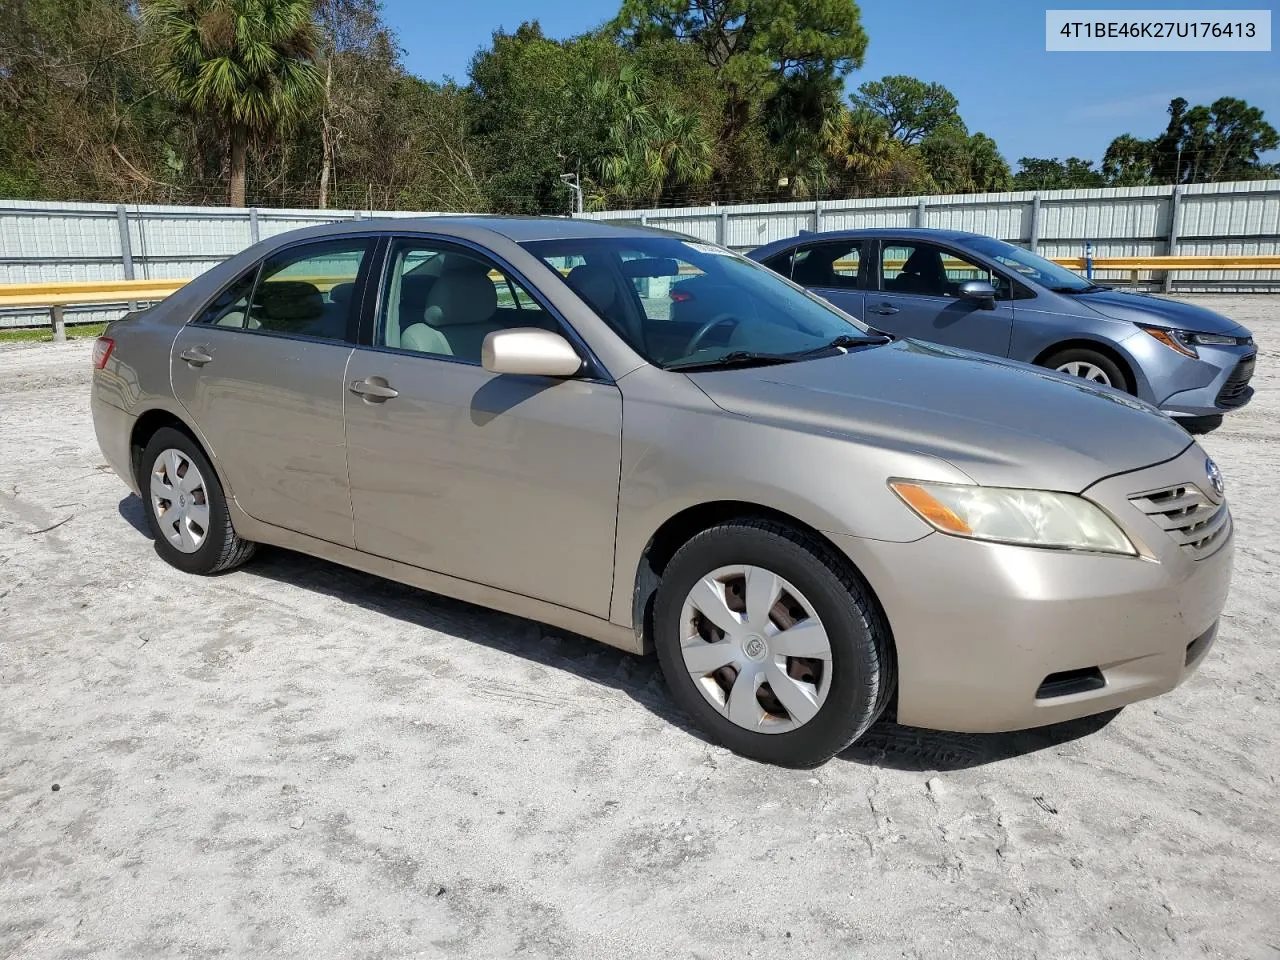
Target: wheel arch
682 526
1108 350
145 427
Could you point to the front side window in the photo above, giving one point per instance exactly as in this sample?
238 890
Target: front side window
678 301
305 291
927 270
833 265
443 301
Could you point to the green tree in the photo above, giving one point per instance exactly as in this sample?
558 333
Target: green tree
1037 173
959 162
246 65
1129 162
751 45
801 118
876 162
912 108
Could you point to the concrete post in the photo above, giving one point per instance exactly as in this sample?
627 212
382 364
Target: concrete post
920 212
722 235
1175 224
126 248
56 321
254 233
1035 224
817 216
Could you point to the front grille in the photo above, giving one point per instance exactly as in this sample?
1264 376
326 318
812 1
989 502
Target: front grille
1236 391
1185 513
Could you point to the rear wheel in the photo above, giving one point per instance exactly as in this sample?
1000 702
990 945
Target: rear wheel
186 511
771 643
1089 365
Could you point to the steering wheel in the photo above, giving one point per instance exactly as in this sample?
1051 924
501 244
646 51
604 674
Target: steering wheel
695 342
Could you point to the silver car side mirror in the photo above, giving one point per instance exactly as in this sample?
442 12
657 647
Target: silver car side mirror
980 292
529 351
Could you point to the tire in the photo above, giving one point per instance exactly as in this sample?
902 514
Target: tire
1115 377
856 682
210 544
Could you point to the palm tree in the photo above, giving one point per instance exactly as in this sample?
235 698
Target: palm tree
248 65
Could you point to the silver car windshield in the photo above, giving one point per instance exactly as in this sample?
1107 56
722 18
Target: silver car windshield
680 303
1030 266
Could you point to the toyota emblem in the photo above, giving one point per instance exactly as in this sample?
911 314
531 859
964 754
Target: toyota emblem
1215 476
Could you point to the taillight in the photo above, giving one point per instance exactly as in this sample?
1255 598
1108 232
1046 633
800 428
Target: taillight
102 348
680 296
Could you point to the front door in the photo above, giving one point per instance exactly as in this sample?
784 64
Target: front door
509 481
262 374
919 297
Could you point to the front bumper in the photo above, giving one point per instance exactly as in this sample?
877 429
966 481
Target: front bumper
979 628
1215 383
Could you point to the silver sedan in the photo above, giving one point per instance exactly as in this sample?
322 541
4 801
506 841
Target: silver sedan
660 444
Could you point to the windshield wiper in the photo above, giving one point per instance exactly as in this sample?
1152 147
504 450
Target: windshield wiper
847 340
1091 288
735 358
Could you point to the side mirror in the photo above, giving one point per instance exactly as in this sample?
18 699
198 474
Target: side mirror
529 351
980 292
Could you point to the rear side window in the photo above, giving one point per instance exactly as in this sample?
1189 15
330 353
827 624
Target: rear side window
834 264
309 291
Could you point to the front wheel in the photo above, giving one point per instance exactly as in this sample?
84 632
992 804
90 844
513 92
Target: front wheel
772 643
186 510
1089 365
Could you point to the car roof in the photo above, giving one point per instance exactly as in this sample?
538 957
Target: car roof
897 233
517 229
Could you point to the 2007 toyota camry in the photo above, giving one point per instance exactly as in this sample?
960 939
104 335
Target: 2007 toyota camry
662 445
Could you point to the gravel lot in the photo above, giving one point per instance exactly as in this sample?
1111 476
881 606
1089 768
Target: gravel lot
296 760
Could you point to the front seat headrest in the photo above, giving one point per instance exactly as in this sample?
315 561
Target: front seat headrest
595 285
290 300
461 297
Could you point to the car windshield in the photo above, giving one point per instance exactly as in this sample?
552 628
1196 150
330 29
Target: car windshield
682 303
1030 266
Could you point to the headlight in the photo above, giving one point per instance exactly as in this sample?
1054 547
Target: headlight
1035 518
1186 341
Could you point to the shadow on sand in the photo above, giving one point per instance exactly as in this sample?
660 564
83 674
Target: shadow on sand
884 745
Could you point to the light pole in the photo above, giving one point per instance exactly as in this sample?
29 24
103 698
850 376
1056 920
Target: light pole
570 180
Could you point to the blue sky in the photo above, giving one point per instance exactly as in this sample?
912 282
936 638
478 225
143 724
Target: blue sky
990 54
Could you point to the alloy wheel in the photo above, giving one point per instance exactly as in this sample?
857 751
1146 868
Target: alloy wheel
1086 371
756 649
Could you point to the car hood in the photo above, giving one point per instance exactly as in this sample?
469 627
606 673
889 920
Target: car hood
1000 422
1160 312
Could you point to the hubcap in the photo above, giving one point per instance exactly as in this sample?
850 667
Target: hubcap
1086 371
179 501
755 648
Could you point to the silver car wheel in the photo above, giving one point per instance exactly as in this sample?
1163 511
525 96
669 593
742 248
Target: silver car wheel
755 648
179 500
1086 371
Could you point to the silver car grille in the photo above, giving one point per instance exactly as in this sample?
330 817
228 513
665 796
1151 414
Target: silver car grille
1187 514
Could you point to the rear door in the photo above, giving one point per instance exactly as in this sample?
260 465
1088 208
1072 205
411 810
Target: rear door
262 374
919 297
835 270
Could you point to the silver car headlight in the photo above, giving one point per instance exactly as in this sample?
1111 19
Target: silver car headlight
1034 518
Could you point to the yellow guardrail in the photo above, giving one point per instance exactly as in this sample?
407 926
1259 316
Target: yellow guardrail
58 295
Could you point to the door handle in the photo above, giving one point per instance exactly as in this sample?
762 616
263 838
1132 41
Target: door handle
196 356
374 389
885 309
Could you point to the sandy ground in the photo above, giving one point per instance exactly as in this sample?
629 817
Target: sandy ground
294 760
